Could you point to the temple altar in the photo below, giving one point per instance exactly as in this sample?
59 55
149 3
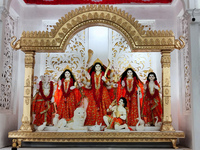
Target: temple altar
68 29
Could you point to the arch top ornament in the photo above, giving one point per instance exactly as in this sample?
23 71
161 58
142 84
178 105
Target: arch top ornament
93 15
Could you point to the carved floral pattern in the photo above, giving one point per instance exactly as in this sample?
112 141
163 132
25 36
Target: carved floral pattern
7 70
186 61
122 57
74 56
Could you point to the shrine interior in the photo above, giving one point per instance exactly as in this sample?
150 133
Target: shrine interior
108 45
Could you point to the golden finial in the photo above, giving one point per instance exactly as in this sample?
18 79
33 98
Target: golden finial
67 68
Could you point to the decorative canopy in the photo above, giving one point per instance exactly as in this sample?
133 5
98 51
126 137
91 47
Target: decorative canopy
92 15
63 2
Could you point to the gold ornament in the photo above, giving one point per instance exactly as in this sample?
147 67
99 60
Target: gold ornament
97 61
67 68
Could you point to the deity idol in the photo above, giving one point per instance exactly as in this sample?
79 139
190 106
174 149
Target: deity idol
118 118
99 90
112 87
151 107
65 95
42 105
129 85
85 92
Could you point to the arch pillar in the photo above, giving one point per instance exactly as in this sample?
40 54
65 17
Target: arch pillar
28 92
166 90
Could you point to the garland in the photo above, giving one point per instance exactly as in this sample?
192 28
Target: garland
134 86
99 99
46 98
65 94
156 92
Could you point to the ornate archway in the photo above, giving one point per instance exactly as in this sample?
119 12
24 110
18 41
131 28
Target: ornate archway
138 39
91 15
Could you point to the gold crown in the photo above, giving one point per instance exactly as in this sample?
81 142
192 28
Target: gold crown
151 70
129 66
97 61
67 68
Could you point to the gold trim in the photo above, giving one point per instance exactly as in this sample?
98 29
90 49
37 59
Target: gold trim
96 135
91 15
67 67
97 61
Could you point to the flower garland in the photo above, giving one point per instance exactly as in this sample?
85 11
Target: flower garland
97 100
65 94
133 88
156 92
46 98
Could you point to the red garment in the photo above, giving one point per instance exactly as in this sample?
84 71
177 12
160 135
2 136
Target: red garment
100 95
65 99
152 105
42 106
114 120
130 93
91 111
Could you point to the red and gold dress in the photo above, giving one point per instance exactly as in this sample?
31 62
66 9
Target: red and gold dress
91 108
65 99
42 106
151 106
130 93
100 96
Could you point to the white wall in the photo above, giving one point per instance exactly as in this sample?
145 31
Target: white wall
8 119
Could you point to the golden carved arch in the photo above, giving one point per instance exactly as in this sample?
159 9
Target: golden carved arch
104 15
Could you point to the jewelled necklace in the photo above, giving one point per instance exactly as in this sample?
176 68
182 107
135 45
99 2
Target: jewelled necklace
97 80
129 85
66 85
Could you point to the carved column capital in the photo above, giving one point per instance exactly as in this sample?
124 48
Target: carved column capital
166 58
29 59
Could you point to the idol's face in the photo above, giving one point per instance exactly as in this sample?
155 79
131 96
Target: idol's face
129 73
46 78
121 102
98 67
151 77
67 74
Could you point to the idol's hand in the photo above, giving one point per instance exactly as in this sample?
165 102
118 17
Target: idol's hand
123 116
108 87
115 85
156 87
103 78
52 99
139 89
123 83
88 87
59 82
145 86
37 86
81 84
87 75
125 126
72 87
